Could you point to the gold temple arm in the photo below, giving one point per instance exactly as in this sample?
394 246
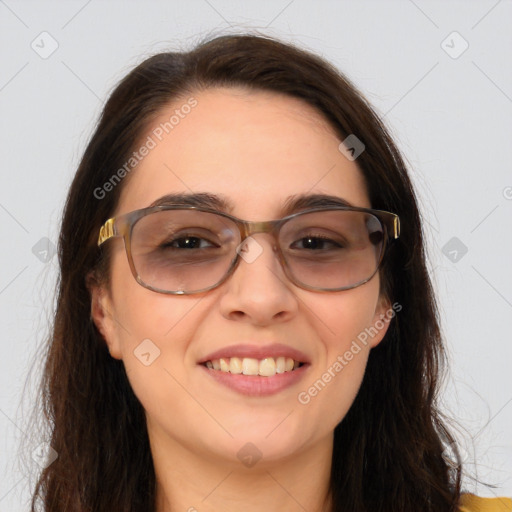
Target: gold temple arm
106 231
396 227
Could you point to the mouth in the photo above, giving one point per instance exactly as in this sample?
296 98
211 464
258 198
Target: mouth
265 367
256 370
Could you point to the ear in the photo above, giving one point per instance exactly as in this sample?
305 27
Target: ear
102 314
384 312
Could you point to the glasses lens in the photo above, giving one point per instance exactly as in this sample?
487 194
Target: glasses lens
332 249
183 250
189 250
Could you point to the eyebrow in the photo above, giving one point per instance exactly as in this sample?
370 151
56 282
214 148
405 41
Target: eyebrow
200 200
300 202
221 203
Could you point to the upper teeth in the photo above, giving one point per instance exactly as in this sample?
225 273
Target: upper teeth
248 366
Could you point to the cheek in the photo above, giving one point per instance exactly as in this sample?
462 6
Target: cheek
154 351
345 316
343 323
141 313
153 331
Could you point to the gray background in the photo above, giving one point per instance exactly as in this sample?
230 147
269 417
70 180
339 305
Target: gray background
449 110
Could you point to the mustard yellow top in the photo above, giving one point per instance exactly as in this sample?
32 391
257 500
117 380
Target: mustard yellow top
472 503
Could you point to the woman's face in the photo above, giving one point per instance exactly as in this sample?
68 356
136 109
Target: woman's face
257 150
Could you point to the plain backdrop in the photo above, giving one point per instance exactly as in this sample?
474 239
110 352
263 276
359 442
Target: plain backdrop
439 73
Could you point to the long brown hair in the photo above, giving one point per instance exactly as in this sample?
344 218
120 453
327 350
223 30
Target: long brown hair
388 450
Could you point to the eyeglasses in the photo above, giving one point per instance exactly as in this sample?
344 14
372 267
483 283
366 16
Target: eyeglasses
186 249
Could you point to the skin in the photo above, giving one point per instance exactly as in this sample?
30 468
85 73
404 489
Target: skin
256 148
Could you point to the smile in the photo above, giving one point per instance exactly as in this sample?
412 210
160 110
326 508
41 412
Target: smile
266 367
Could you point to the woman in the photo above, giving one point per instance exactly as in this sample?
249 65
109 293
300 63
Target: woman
245 320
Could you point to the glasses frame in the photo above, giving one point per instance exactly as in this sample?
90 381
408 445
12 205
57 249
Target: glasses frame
122 227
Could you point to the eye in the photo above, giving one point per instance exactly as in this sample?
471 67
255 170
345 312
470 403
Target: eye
316 243
187 242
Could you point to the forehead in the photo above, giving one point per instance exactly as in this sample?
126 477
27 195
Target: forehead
255 148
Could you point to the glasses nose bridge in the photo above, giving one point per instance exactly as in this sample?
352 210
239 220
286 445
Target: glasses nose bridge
249 228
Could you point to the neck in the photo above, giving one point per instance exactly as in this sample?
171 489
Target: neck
193 482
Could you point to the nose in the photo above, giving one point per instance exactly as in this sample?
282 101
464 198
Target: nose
258 290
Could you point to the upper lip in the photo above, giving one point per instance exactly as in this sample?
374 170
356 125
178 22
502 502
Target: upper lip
256 352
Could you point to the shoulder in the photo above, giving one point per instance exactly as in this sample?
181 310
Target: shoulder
472 503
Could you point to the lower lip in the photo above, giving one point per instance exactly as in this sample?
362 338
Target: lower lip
254 385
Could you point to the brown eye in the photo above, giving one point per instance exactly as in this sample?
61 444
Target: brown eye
315 243
187 242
